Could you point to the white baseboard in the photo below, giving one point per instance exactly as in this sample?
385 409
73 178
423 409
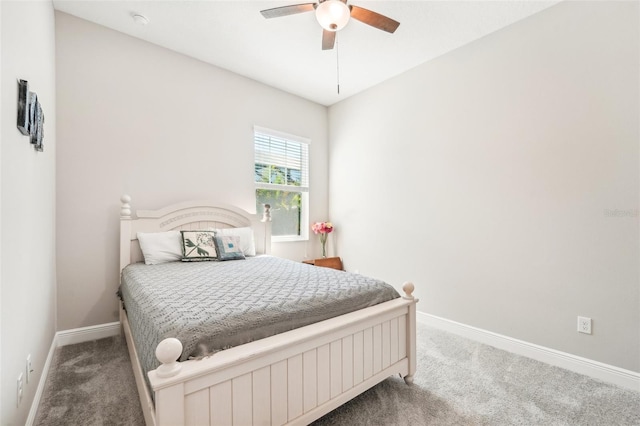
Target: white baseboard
63 338
33 410
86 334
608 373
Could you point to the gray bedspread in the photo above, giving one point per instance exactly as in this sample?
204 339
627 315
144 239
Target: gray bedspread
210 306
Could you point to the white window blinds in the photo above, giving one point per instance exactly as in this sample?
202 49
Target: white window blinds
281 161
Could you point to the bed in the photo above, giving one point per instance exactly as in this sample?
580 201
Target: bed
293 377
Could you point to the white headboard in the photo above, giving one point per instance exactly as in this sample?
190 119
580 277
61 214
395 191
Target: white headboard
185 216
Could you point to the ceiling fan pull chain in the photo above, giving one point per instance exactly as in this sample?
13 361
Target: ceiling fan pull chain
338 63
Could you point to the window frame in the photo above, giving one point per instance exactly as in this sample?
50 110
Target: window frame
303 190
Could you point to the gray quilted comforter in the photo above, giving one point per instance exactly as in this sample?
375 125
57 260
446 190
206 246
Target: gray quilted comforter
210 306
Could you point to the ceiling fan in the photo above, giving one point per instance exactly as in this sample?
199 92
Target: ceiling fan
333 15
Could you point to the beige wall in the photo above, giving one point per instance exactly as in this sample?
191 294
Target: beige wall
27 204
485 177
139 119
1 375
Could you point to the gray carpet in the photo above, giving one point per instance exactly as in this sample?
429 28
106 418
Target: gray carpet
91 383
459 382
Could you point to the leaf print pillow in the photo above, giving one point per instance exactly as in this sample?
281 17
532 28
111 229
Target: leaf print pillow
198 246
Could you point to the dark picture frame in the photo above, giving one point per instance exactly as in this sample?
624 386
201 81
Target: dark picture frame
36 128
23 107
30 115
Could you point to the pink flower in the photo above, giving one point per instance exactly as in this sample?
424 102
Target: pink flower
322 227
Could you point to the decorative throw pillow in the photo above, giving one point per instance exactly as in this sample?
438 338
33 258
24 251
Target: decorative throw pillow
228 247
247 243
198 246
160 247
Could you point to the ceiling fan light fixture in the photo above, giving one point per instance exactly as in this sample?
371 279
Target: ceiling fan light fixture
333 15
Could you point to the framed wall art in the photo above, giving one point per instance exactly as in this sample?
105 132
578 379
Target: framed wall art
30 115
23 107
36 128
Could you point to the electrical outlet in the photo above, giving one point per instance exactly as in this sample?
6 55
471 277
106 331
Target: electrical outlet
584 325
19 390
29 369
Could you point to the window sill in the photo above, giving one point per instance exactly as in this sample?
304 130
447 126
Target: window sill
288 239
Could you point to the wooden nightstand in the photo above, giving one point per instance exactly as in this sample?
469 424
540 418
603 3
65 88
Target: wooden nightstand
326 262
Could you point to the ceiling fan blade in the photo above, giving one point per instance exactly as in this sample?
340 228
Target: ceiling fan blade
277 12
374 19
328 39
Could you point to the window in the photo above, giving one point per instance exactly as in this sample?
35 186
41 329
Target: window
282 181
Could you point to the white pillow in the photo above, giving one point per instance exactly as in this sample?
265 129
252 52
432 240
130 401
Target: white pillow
247 243
160 247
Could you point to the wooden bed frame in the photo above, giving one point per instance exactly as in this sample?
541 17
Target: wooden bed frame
290 378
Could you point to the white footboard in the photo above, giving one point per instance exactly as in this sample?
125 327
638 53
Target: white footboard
294 377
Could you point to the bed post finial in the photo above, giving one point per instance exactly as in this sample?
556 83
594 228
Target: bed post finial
125 210
167 352
266 214
408 288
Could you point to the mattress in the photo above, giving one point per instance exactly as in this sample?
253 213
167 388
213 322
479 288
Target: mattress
210 306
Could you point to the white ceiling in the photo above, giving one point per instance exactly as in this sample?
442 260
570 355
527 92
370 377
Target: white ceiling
286 53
